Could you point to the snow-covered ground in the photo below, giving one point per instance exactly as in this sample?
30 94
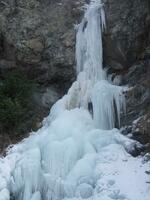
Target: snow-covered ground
71 159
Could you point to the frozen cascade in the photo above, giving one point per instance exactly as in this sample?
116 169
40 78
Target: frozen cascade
108 101
74 155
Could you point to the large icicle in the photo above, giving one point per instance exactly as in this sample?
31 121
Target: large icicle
89 55
90 87
108 102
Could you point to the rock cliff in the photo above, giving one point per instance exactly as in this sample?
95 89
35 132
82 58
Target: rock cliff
39 36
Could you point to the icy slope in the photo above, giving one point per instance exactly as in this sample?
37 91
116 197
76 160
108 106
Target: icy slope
72 159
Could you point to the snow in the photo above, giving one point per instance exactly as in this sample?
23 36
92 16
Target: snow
76 155
4 194
71 159
127 175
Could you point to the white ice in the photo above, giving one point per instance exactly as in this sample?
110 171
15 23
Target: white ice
79 154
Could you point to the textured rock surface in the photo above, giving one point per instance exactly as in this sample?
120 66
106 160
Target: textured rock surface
138 99
40 36
127 53
128 28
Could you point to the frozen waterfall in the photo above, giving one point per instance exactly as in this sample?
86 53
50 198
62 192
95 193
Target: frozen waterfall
78 153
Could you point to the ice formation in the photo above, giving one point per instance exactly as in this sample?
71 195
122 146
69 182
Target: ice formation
79 154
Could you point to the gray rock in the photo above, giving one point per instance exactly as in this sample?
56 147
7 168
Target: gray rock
127 33
46 97
138 101
37 33
39 37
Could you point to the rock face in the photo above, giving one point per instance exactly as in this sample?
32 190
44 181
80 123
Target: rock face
138 99
39 37
127 34
127 53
